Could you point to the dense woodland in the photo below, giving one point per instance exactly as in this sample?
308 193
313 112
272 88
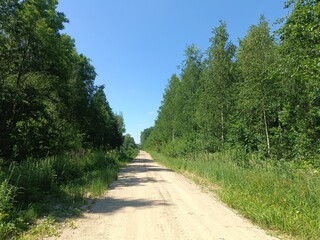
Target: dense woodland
60 141
262 96
49 103
244 119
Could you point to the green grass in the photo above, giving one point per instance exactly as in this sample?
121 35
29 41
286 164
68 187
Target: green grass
281 197
47 227
35 194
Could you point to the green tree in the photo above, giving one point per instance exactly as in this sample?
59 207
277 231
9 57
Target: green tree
33 62
48 101
80 94
258 102
187 92
144 135
119 130
101 120
299 71
128 142
166 124
215 92
175 127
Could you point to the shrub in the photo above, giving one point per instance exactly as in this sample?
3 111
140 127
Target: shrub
7 210
68 168
33 178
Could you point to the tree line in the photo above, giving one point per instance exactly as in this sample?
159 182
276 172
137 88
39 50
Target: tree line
262 96
49 103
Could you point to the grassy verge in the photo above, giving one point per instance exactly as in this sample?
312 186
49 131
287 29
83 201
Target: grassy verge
281 197
36 194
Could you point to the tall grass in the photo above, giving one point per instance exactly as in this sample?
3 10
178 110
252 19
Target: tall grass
7 210
49 187
278 196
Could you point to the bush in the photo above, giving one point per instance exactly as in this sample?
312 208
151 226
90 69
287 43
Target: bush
40 136
7 210
33 178
68 168
33 188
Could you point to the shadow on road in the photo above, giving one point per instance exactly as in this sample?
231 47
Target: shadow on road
128 177
111 205
128 181
143 165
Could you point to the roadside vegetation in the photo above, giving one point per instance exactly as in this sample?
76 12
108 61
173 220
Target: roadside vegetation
247 118
60 141
278 196
50 190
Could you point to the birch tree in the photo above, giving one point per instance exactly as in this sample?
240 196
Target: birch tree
257 100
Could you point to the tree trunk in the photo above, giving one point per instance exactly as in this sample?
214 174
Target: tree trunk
266 130
222 127
173 135
21 66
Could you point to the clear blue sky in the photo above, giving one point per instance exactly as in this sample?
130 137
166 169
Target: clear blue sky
136 45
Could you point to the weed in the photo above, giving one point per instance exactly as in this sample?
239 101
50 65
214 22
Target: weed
46 227
276 195
7 210
54 186
33 178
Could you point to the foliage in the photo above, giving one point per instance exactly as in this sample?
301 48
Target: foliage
34 188
275 195
215 98
47 227
7 210
175 119
33 178
145 135
258 99
128 142
262 101
299 72
51 117
48 101
262 97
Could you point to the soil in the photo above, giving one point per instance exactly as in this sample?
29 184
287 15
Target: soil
149 201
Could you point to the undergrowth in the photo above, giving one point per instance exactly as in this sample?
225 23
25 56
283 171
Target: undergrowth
36 193
280 196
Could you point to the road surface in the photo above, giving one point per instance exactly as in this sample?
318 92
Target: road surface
149 202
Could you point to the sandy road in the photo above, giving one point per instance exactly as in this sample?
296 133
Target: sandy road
149 201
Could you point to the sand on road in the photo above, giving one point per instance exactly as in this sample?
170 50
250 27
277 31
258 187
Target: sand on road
149 201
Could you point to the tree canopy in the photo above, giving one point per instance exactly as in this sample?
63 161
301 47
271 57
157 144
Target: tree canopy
49 103
262 96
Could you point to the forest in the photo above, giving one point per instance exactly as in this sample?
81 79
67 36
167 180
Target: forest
59 137
47 89
262 96
245 119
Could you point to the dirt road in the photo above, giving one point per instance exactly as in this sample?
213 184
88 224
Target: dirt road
149 201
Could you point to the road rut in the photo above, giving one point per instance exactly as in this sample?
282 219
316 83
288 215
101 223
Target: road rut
149 201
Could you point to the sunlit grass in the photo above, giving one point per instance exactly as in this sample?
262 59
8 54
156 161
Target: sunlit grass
276 196
55 187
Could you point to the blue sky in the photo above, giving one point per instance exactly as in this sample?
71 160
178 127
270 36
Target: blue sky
136 45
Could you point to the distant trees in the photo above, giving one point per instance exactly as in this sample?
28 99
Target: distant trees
48 101
128 142
145 135
180 96
263 96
